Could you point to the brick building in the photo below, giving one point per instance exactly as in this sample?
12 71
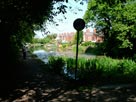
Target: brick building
87 36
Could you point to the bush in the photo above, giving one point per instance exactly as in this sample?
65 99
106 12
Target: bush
89 43
56 64
134 58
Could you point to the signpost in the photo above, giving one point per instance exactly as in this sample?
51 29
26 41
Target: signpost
79 25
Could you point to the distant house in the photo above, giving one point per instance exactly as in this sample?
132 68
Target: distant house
87 36
66 37
92 36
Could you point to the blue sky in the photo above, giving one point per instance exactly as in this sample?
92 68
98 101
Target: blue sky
66 25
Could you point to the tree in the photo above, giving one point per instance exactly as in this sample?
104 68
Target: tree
116 19
18 19
52 36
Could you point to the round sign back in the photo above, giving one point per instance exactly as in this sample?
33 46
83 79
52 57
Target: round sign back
79 24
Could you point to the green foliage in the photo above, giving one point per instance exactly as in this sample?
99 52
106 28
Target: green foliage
116 20
81 49
52 36
93 48
56 64
70 65
64 46
100 69
47 39
134 58
42 41
19 19
88 43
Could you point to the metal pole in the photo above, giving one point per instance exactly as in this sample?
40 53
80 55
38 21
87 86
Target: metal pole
76 55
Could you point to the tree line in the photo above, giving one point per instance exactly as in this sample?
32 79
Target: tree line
116 19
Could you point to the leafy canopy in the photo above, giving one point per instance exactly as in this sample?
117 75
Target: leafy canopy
117 20
18 19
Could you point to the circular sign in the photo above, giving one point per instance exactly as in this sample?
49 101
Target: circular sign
79 24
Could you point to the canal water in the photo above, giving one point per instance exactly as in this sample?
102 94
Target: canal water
44 55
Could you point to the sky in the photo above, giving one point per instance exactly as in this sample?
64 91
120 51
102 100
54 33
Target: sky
66 25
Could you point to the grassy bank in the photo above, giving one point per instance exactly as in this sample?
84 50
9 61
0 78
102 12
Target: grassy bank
98 70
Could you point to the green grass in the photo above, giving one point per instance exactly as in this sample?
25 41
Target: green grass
100 69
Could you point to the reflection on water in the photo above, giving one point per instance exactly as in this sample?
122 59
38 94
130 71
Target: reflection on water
69 73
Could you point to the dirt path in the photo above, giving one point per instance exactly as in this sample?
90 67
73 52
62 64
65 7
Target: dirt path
35 86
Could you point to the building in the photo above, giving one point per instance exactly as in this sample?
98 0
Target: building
87 36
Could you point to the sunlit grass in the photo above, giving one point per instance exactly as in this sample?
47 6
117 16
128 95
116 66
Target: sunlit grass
101 69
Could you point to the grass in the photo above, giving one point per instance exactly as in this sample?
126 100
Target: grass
101 69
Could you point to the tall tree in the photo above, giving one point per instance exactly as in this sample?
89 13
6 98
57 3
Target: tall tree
117 20
18 19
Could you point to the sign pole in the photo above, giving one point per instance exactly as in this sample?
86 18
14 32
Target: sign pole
77 55
79 25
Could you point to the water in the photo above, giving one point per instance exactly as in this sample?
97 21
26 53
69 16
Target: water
70 74
44 55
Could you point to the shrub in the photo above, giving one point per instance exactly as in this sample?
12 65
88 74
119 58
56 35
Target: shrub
56 64
134 58
89 43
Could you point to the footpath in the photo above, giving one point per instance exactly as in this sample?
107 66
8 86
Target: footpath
35 85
